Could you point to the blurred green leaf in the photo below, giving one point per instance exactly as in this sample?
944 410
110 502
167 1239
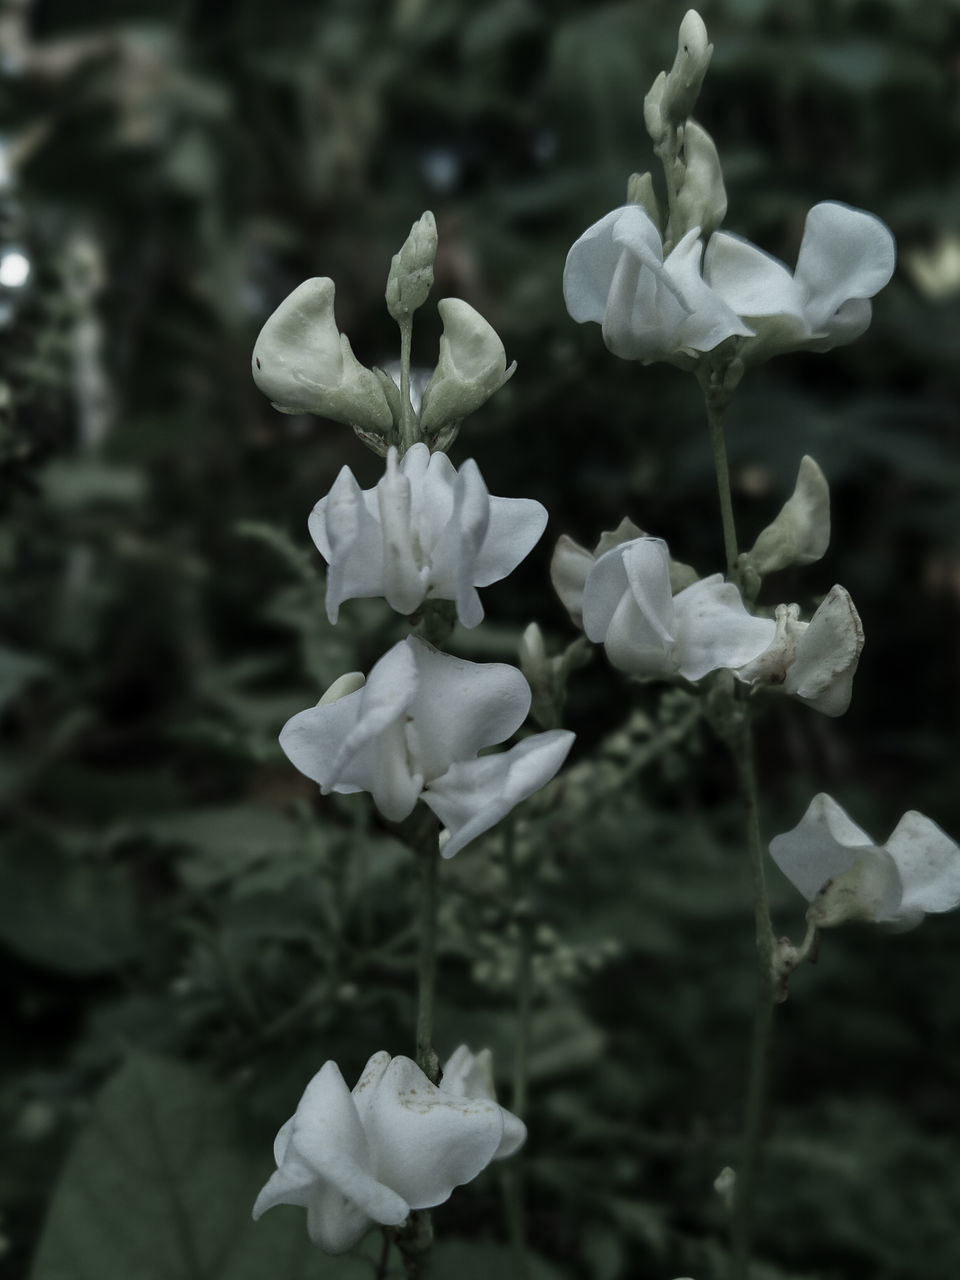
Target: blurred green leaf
159 1186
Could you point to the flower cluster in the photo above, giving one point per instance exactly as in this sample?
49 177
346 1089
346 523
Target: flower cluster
394 1143
656 619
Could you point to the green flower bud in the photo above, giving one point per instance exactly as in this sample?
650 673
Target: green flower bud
303 364
653 109
411 270
800 534
471 367
683 82
702 199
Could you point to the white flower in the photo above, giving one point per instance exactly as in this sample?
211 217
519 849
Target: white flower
470 1075
394 1144
414 730
650 308
646 630
845 876
426 531
846 256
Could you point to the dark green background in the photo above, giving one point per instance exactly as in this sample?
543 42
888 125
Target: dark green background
165 887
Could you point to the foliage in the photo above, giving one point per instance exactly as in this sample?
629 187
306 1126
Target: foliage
186 935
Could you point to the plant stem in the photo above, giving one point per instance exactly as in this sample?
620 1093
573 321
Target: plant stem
742 1225
409 427
722 468
428 859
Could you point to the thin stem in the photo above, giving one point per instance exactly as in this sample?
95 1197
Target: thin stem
742 1225
428 857
722 468
409 427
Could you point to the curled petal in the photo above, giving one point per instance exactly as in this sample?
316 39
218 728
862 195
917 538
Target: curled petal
472 796
828 652
845 254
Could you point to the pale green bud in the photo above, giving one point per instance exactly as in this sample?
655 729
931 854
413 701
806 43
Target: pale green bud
471 367
653 109
685 77
800 534
702 198
303 364
640 191
411 270
342 686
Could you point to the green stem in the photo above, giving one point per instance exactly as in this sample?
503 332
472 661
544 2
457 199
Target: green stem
722 468
428 858
742 1224
409 426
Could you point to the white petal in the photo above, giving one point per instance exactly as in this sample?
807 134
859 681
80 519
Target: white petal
850 320
462 706
311 739
424 1141
516 526
349 539
710 320
592 261
569 567
404 579
471 797
750 281
603 590
468 528
714 629
827 655
327 1167
632 646
928 862
470 1075
646 562
825 845
845 253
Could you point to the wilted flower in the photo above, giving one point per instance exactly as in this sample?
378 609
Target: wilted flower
394 1144
426 531
654 308
646 630
413 730
846 877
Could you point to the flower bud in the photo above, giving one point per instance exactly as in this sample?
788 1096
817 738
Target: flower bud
702 199
640 191
411 270
800 534
342 686
471 367
683 82
653 109
303 364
